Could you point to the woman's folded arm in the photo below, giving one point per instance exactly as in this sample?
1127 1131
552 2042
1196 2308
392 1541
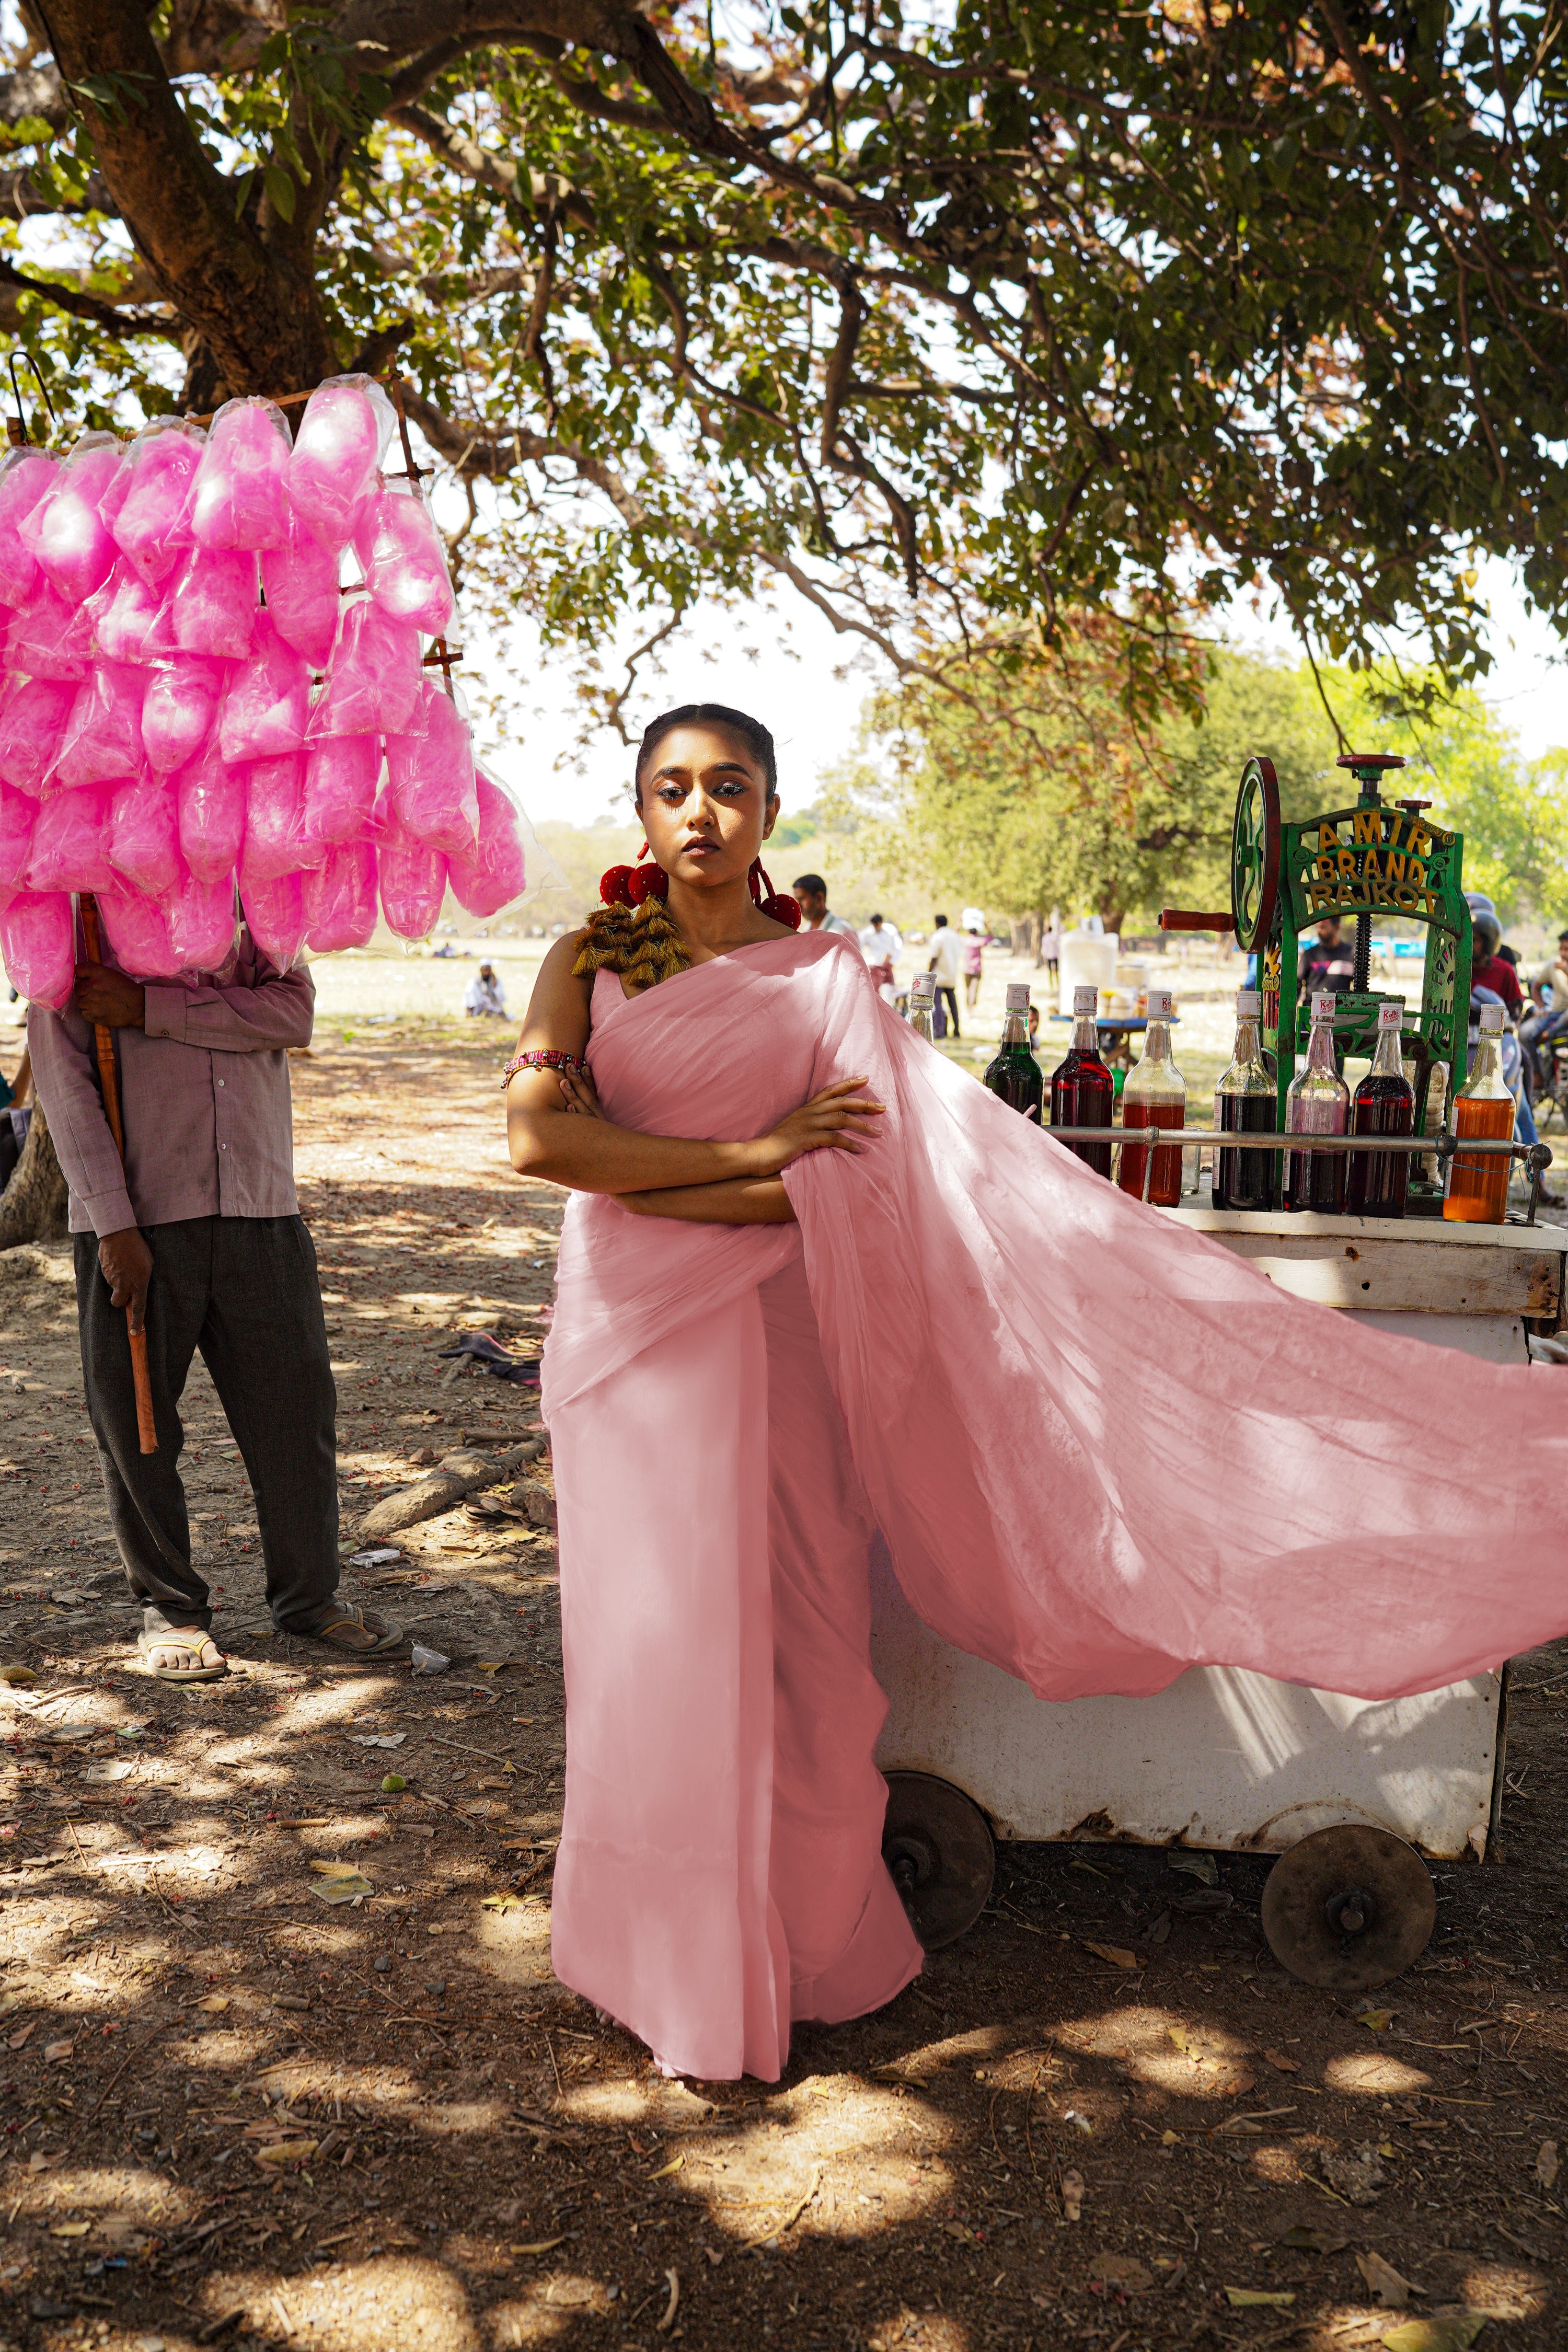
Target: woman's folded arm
743 1201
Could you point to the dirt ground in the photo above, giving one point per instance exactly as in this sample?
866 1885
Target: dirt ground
237 2112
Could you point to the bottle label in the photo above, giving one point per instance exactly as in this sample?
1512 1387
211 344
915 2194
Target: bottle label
1249 1004
1323 1006
1161 1004
1084 1000
923 989
1018 997
1390 1016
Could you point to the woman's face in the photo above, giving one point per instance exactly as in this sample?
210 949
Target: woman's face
705 806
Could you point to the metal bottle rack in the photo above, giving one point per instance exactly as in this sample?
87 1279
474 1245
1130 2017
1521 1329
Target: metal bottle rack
1375 859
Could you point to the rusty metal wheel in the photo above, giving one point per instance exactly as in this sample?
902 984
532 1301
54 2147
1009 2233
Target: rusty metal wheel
938 1847
1349 1908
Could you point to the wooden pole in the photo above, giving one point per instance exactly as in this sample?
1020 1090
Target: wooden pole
109 1078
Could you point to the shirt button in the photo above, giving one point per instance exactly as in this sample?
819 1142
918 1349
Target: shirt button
222 1147
222 1082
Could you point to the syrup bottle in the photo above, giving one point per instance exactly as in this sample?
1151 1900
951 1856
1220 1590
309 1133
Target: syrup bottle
1383 1104
1319 1103
1478 1182
1155 1095
1083 1092
1015 1075
1245 1104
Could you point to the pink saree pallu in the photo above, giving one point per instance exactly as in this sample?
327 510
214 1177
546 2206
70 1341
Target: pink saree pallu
1101 1450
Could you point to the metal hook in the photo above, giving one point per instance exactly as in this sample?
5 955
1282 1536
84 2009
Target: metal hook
15 426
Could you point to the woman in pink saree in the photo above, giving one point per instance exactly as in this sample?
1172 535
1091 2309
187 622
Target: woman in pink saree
816 1283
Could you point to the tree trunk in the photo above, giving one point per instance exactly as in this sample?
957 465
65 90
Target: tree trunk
33 1206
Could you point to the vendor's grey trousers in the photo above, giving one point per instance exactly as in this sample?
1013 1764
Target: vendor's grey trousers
245 1291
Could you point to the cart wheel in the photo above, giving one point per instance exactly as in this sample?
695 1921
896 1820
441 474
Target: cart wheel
1349 1908
939 1849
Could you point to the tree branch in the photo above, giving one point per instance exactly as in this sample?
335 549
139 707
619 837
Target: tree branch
91 306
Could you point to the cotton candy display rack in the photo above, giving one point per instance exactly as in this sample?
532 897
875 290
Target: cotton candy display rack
214 698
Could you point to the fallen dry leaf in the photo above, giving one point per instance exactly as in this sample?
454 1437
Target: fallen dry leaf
1385 2282
1280 2064
676 2165
1177 2037
70 2229
1546 2163
1072 2196
1377 2020
1116 1955
287 2151
214 2003
538 2246
1308 2241
57 2053
1446 2331
16 2040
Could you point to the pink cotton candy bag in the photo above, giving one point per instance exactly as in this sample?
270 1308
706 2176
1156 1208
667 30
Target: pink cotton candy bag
430 775
69 849
201 923
178 710
209 801
275 912
131 622
240 499
26 476
301 583
65 531
102 739
412 877
38 944
49 638
344 432
213 604
373 681
269 698
340 898
16 816
32 720
494 873
149 509
144 834
404 561
341 777
137 930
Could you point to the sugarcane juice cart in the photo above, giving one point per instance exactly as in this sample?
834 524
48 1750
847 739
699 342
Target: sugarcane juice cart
1354 1797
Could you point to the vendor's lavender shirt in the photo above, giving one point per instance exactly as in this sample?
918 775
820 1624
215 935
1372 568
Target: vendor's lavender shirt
204 1093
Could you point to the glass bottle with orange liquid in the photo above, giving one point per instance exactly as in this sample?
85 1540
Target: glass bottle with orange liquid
1155 1095
1478 1183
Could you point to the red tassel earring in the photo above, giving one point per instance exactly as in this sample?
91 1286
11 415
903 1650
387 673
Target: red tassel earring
778 906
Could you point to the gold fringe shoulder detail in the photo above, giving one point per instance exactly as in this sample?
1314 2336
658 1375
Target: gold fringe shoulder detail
641 944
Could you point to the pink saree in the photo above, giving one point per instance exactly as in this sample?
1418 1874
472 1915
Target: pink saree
1100 1447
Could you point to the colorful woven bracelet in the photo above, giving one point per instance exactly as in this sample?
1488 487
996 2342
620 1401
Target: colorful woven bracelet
542 1057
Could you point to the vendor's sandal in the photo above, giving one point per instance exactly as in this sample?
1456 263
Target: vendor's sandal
355 1630
191 1643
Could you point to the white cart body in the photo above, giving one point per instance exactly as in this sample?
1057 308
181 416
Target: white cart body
1225 1759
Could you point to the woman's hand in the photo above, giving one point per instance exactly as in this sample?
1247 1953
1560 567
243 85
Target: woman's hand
580 1095
829 1121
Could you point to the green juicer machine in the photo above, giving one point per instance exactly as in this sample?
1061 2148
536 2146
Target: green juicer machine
1377 859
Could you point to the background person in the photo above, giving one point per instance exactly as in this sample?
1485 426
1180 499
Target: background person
1328 960
1549 993
880 943
199 1239
974 964
484 995
811 896
947 962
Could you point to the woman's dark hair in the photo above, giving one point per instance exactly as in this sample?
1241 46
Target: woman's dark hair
752 732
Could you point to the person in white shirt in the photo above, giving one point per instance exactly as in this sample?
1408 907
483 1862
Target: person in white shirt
485 994
880 943
811 891
947 962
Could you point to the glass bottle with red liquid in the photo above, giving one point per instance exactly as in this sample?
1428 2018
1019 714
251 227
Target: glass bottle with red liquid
1383 1104
1083 1092
1483 1108
1155 1095
1319 1103
1245 1104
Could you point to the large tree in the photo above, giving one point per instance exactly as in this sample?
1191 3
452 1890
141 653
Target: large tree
999 314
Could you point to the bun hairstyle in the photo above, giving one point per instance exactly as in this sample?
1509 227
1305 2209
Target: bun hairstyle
632 933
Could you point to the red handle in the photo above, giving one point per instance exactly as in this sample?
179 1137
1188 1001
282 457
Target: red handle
1182 918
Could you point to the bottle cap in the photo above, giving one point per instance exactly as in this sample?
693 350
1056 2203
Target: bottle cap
924 985
1248 1005
1323 1005
1084 1000
1390 1016
1162 1004
1017 996
1492 1016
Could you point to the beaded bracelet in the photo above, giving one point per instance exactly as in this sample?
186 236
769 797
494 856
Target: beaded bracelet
542 1057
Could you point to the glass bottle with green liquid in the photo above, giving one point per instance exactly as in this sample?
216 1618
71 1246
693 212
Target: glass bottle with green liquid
1015 1075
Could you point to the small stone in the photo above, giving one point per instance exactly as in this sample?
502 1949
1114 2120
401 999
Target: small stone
437 1989
383 1966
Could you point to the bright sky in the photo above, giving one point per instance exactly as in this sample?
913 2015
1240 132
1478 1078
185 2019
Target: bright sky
808 684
